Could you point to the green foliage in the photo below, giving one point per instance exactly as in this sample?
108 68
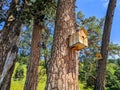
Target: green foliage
42 71
114 50
19 73
111 67
23 59
82 75
42 63
25 40
112 82
39 10
90 81
118 62
47 39
112 76
33 1
86 78
117 73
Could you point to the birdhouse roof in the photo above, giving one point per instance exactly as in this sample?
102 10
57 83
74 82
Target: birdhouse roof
97 54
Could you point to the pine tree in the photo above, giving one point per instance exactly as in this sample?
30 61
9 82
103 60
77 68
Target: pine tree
101 69
63 66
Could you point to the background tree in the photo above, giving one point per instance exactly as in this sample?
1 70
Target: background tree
38 14
87 56
101 69
9 44
32 73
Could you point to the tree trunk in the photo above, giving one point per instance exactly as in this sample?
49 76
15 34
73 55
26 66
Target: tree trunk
101 69
32 72
9 38
8 69
6 36
63 65
10 53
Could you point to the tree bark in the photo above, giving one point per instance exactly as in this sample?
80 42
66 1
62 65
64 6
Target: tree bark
101 69
7 34
9 38
63 65
10 53
8 69
32 72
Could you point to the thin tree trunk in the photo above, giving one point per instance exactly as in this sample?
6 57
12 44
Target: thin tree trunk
32 72
101 69
63 65
45 48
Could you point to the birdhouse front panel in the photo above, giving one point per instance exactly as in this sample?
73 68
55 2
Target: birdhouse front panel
78 40
99 55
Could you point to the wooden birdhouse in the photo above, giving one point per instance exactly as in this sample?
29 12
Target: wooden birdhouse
11 18
79 40
98 55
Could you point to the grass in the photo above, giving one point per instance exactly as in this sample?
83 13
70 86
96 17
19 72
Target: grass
19 85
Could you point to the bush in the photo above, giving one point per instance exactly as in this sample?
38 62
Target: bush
118 62
117 73
23 59
82 76
19 73
90 81
42 63
42 72
112 82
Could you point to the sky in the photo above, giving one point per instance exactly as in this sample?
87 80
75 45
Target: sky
98 8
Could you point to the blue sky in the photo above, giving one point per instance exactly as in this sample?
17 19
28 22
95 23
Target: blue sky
98 8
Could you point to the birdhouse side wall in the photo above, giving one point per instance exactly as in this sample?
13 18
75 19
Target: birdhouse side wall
74 39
